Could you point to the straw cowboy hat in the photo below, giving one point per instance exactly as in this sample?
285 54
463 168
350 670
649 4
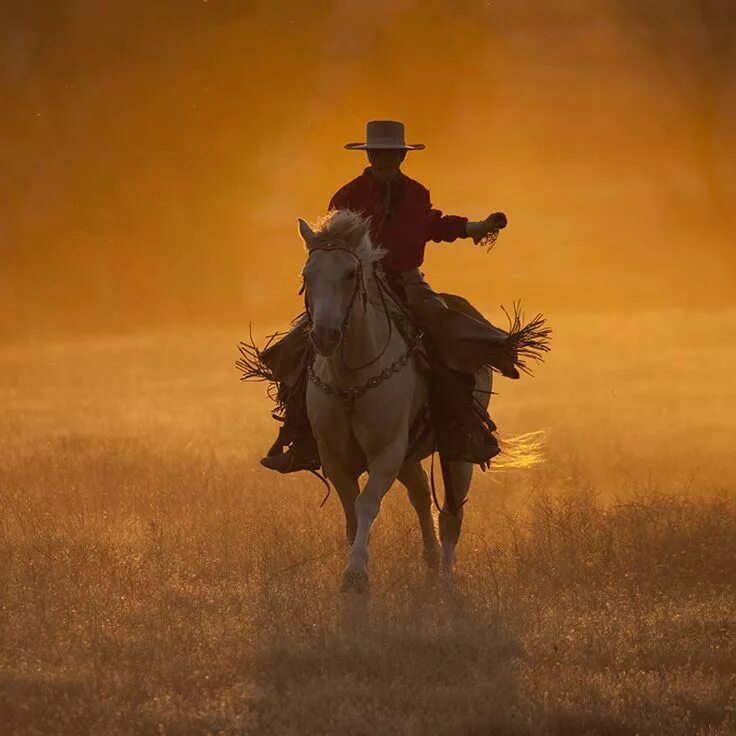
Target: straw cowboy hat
384 134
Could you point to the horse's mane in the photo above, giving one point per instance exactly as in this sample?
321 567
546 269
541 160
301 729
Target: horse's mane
349 230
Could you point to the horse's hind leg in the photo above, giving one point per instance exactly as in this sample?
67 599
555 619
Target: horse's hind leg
412 475
450 526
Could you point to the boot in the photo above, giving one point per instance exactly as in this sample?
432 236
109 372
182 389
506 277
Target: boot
295 434
467 432
300 455
471 440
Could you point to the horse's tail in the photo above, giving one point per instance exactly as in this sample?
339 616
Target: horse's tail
522 450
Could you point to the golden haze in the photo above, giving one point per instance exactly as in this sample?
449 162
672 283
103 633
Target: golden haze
153 578
158 154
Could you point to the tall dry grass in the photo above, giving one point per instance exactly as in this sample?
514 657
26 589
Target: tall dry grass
153 579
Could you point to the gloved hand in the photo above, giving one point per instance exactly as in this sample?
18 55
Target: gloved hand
477 230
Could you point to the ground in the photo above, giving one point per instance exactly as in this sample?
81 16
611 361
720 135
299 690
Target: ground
156 580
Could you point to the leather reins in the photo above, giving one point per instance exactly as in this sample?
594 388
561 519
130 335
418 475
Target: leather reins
359 287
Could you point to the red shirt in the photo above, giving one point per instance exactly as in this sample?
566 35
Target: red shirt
404 224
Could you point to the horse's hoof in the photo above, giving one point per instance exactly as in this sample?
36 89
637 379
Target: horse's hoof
432 558
355 582
447 575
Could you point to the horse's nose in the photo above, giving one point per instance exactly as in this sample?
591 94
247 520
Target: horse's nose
325 339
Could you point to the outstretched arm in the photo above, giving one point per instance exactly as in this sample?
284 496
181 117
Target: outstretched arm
444 228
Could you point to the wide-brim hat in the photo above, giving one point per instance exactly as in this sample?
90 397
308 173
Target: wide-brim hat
386 135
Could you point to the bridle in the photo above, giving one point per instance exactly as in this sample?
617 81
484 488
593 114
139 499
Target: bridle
359 288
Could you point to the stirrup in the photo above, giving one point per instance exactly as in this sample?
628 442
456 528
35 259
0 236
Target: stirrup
290 462
277 448
478 445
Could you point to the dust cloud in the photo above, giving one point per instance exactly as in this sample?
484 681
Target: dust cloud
155 577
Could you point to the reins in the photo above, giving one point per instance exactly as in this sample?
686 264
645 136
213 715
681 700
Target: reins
359 286
348 395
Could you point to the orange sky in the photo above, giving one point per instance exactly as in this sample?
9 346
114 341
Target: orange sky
157 154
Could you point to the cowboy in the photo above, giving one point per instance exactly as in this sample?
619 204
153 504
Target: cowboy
402 222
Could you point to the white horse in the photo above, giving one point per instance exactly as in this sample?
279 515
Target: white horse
364 392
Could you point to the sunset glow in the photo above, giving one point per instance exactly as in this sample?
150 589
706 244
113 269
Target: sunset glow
155 578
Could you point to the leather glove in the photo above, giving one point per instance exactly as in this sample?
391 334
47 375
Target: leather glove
477 230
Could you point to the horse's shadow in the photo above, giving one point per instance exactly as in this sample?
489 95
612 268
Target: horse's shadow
419 651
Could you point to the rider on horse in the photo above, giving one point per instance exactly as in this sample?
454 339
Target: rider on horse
402 221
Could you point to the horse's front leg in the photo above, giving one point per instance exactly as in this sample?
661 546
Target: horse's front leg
383 468
345 481
340 454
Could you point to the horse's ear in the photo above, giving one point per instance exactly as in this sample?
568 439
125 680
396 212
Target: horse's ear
306 232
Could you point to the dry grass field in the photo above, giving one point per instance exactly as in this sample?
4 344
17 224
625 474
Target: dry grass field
154 579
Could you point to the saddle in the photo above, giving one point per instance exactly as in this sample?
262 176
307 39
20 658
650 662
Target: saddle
455 420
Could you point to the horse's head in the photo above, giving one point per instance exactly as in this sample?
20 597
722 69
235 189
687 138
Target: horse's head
334 274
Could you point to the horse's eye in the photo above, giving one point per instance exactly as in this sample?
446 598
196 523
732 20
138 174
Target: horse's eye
350 276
